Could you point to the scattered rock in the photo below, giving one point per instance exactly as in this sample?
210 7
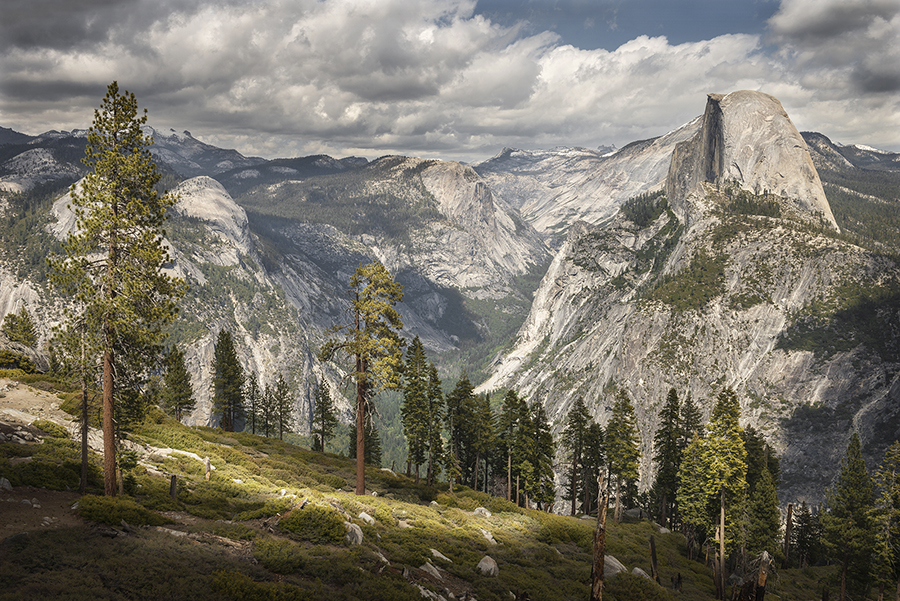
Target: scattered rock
403 524
354 534
488 566
4 484
481 511
664 530
438 555
488 536
612 566
18 460
391 472
642 573
367 518
435 504
431 571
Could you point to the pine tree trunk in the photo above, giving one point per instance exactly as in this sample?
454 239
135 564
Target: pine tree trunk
722 540
618 498
509 478
897 593
574 485
109 429
360 426
84 421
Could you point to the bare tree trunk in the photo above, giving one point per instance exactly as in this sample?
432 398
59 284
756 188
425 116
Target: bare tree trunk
654 571
788 524
599 545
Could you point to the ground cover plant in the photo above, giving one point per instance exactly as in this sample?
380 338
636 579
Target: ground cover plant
270 524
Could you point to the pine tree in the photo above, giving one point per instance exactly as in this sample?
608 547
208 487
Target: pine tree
178 395
847 524
415 405
228 382
373 341
511 416
253 401
542 488
481 437
324 419
622 446
691 422
763 516
807 536
19 327
593 461
725 471
667 455
887 521
267 411
435 413
284 406
574 441
460 414
115 255
692 497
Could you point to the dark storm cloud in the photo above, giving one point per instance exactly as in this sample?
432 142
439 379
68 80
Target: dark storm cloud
432 77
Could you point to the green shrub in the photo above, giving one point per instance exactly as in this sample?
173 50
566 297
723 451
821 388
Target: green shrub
112 510
278 555
241 587
50 428
314 523
631 587
268 509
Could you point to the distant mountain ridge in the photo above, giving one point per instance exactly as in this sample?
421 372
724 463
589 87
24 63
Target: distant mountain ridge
738 276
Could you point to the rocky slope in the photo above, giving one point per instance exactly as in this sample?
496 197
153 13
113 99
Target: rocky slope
554 189
726 286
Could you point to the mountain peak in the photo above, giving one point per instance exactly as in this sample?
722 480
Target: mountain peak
747 138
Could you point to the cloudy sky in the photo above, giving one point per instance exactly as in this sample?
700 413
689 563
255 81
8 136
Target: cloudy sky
455 79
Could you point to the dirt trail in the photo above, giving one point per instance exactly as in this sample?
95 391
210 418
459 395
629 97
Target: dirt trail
25 508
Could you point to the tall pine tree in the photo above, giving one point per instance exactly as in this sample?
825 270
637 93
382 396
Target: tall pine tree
725 471
887 521
372 339
228 383
667 455
324 419
435 412
623 449
284 406
113 268
847 524
177 394
414 410
574 440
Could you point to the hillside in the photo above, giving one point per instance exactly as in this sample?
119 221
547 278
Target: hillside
271 522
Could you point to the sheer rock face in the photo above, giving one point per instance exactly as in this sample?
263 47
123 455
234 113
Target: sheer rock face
748 138
781 325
